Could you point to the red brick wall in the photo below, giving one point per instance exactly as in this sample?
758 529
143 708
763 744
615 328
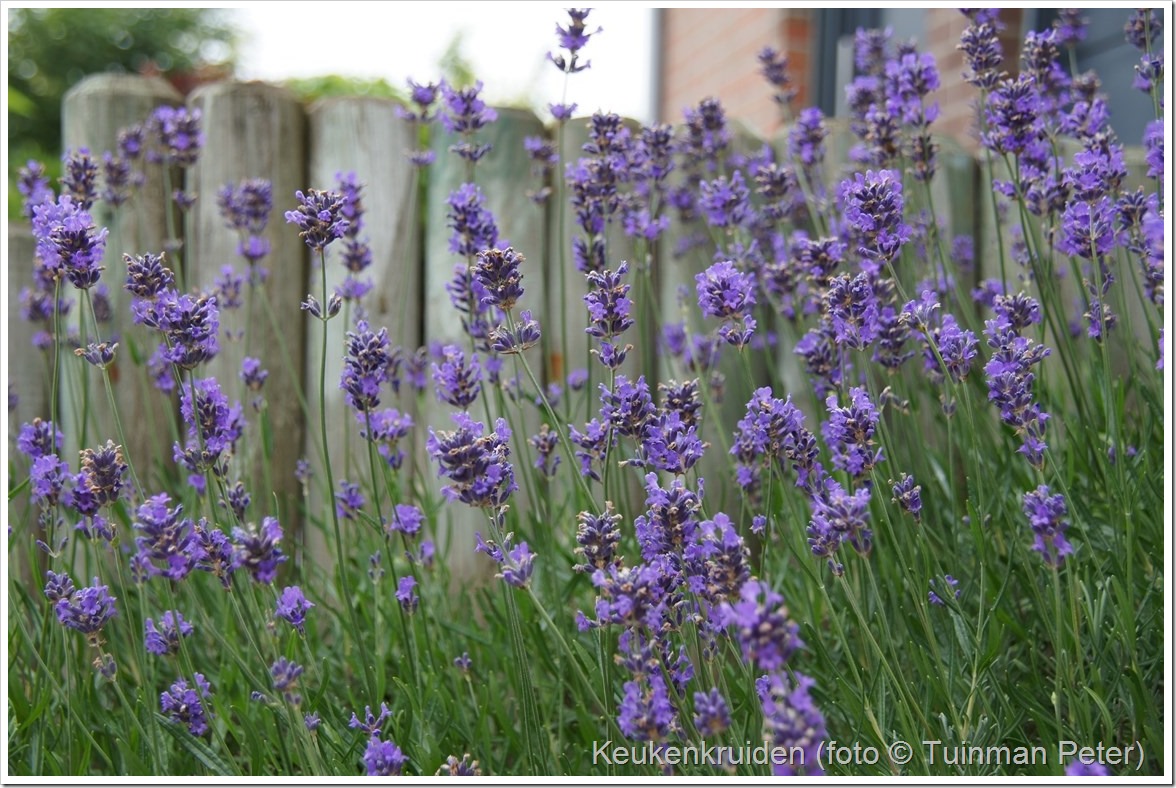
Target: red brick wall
713 52
957 99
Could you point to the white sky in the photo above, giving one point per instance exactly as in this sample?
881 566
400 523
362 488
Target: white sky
506 43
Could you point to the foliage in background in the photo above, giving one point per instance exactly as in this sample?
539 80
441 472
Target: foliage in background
50 49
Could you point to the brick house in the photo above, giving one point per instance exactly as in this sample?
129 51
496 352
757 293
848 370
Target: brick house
704 52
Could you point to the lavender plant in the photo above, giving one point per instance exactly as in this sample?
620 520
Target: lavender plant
929 511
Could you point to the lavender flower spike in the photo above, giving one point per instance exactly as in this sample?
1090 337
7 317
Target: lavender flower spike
319 217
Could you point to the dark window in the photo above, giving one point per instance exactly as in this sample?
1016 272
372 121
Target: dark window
1107 53
833 26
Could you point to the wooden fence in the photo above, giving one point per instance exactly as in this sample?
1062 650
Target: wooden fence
256 130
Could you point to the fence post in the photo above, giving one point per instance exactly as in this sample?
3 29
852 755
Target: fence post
502 176
255 130
94 111
364 136
29 370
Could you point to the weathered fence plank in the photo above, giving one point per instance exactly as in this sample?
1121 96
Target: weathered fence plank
255 130
93 113
364 136
500 176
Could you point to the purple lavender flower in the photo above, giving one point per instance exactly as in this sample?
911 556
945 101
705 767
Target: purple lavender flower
633 597
33 186
257 549
850 432
670 444
213 427
498 272
712 717
285 675
456 381
598 537
292 607
562 112
406 594
117 179
593 443
79 178
1013 113
164 536
545 442
646 712
177 132
69 244
99 354
775 428
1010 383
838 517
517 563
726 202
365 367
164 639
1088 228
1071 27
214 553
104 470
806 140
774 68
184 705
472 223
58 586
766 634
465 113
87 609
465 767
147 276
349 500
853 310
39 438
871 49
909 80
407 519
792 720
247 206
948 587
477 465
1148 72
707 135
572 39
189 325
383 758
319 216
672 519
423 95
1047 515
907 495
724 291
873 206
370 724
609 308
627 407
387 428
237 501
1081 768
